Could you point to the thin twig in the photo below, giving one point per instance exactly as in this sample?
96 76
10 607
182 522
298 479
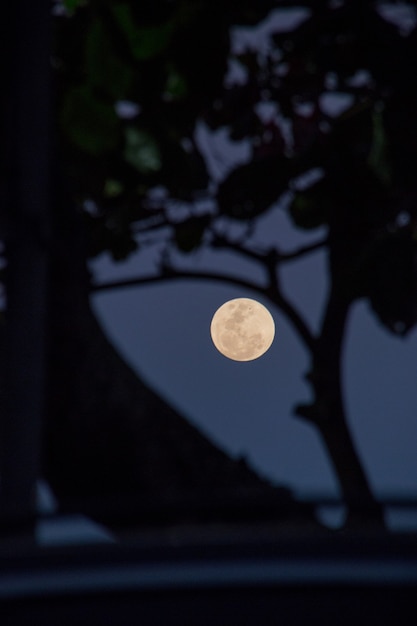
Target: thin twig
177 275
302 250
260 256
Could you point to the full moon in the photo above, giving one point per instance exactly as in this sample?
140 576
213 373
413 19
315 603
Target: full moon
242 329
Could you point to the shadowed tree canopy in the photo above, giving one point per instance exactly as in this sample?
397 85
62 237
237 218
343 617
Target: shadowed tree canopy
141 78
137 86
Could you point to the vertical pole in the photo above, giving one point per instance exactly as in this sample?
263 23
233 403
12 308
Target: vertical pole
26 183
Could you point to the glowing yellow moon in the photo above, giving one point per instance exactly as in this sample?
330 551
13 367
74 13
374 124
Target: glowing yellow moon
242 329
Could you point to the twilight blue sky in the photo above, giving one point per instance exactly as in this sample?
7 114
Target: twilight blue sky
246 408
163 332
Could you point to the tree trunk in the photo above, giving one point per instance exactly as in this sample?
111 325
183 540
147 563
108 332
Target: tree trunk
328 415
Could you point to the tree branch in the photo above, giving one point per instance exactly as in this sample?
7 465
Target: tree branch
327 411
272 292
280 257
296 320
169 274
302 250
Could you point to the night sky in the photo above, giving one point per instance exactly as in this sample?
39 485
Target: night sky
246 408
162 330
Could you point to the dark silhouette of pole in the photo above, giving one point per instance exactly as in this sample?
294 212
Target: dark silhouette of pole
26 189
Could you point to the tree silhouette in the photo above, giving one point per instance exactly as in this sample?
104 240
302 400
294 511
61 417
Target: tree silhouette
135 84
172 64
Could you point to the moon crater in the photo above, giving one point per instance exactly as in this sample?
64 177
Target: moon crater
242 329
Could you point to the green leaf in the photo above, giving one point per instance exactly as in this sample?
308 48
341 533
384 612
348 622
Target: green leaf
89 123
72 5
176 87
189 234
112 235
112 188
311 207
105 70
378 159
142 151
145 42
251 189
305 213
122 247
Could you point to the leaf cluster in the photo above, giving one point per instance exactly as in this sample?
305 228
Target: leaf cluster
336 95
